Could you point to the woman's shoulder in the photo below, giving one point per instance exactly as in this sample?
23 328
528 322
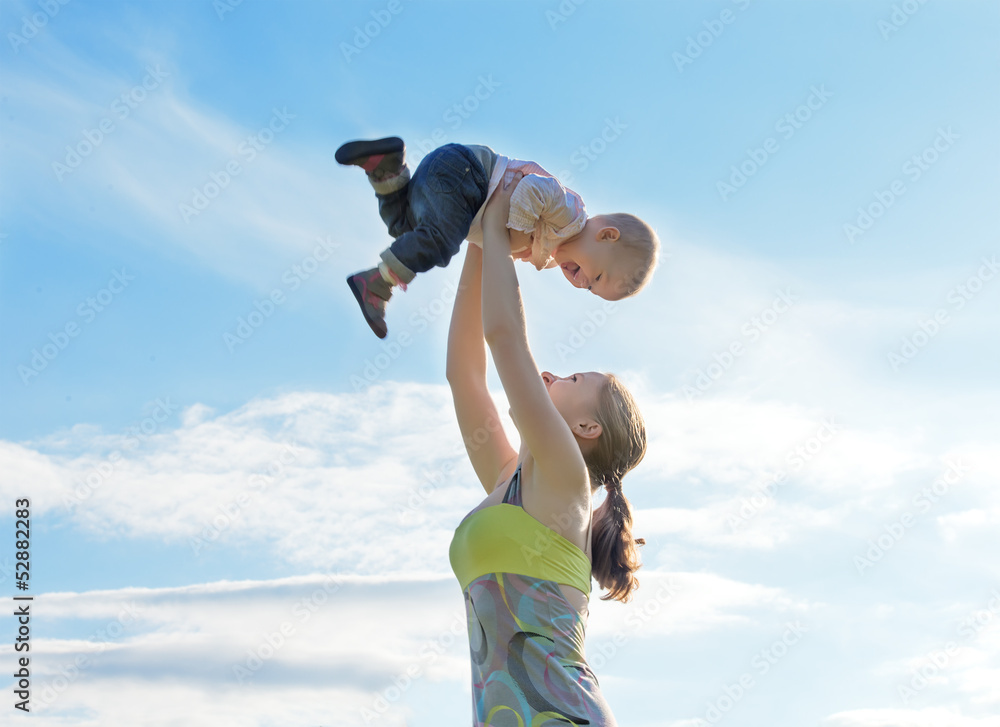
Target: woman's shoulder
556 507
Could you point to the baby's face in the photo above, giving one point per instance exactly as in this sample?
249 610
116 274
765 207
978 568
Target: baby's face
591 260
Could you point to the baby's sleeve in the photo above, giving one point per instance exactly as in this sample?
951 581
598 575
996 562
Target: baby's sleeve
537 197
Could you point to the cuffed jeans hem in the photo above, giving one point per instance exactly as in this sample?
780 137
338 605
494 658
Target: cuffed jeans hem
401 271
392 184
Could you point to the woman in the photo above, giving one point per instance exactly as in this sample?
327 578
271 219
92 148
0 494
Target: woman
525 556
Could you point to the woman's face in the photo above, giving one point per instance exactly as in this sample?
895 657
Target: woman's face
576 397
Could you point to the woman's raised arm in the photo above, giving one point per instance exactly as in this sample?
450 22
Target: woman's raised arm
552 444
490 452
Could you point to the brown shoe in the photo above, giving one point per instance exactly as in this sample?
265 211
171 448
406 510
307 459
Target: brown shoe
372 293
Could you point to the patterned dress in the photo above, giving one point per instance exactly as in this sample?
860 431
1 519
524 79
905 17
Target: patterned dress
525 638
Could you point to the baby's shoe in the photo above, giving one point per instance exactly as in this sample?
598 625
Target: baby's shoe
372 293
381 158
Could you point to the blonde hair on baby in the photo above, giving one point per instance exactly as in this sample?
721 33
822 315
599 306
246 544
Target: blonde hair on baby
642 246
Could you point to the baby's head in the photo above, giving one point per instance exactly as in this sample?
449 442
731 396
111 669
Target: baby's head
613 256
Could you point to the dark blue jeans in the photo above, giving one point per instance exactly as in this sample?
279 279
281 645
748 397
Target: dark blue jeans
431 216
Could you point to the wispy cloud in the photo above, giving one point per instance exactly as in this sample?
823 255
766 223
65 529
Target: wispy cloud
926 717
245 197
247 646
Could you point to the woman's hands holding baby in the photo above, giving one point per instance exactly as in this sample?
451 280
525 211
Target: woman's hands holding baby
498 211
498 208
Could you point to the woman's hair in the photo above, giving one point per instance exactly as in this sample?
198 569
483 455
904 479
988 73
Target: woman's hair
620 447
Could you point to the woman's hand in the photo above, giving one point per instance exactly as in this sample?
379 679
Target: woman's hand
498 208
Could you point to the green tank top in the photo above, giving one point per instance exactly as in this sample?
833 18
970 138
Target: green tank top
505 539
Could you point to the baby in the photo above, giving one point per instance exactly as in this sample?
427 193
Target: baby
429 215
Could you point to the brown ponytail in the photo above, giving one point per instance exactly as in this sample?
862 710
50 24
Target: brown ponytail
620 447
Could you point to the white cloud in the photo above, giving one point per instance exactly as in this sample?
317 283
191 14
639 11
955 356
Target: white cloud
235 651
669 604
247 645
333 475
362 493
927 717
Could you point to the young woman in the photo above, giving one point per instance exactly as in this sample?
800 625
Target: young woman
526 555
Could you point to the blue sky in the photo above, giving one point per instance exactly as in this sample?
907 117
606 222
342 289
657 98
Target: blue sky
190 496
